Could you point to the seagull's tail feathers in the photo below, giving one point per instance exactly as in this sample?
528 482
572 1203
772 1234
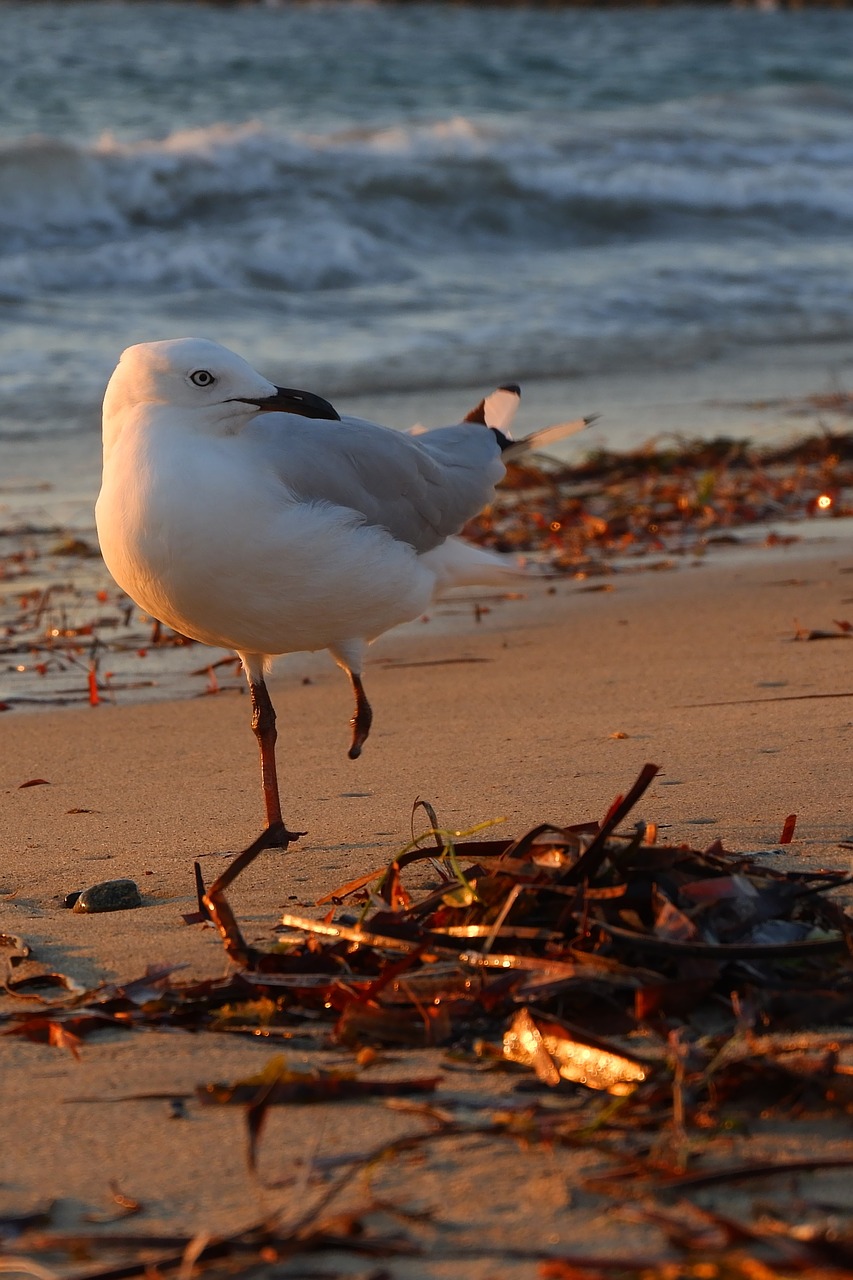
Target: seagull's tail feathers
495 411
457 563
498 409
547 436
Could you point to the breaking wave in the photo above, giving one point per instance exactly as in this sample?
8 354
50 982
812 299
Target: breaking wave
248 206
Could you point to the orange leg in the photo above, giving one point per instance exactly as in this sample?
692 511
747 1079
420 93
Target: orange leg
263 725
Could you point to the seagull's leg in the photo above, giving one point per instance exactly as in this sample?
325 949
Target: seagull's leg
349 655
263 725
363 718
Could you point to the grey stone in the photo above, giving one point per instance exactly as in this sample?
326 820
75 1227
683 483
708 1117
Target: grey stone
109 895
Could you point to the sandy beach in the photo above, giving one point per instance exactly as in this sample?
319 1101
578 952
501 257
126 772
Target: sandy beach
544 709
638 214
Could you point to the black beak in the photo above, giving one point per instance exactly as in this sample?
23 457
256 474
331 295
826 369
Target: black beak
305 403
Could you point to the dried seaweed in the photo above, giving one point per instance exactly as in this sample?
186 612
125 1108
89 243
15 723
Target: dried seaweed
644 994
579 930
618 510
277 1084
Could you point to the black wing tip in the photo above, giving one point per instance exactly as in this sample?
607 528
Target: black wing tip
512 387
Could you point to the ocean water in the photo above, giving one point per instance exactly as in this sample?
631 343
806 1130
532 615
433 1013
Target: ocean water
395 206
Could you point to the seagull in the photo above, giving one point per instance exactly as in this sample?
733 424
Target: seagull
254 517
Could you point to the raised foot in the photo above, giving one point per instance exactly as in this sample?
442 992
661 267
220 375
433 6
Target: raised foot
278 836
361 721
359 736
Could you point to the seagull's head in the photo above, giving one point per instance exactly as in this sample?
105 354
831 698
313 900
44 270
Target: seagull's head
215 391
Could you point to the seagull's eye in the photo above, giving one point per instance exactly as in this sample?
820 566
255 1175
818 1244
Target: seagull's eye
202 378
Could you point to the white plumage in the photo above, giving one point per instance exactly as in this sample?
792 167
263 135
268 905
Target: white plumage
250 516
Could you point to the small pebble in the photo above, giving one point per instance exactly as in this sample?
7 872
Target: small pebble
109 895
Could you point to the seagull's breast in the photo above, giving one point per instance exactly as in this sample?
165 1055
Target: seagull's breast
204 536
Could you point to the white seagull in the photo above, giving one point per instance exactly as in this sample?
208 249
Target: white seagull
253 517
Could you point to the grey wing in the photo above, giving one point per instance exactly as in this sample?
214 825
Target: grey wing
422 489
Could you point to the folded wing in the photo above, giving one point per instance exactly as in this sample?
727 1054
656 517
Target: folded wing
422 488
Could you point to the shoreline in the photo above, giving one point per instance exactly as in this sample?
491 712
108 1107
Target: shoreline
179 670
72 637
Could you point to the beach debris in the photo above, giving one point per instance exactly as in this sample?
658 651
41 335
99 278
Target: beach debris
698 1241
648 1000
25 977
72 546
107 895
125 1206
555 1053
788 828
277 1084
611 513
568 939
844 631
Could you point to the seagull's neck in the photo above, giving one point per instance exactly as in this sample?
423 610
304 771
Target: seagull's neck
136 424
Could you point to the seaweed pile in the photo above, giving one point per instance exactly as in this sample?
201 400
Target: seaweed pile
645 993
681 499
